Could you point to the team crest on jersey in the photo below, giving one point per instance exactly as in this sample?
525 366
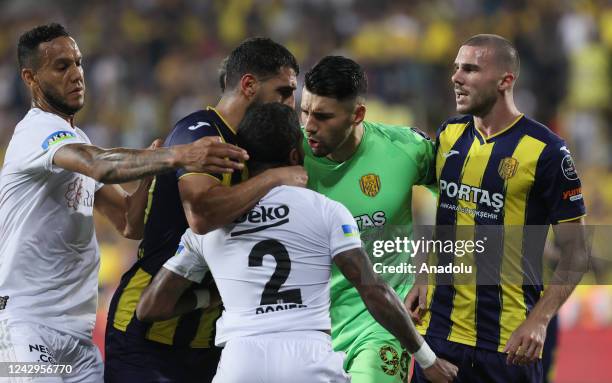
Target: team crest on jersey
57 137
507 167
370 184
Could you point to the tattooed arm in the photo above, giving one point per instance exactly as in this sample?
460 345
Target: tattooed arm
119 165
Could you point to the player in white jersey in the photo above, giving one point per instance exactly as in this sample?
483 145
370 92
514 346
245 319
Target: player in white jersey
272 268
51 181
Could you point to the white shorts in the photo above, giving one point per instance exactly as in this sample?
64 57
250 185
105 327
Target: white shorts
296 357
32 352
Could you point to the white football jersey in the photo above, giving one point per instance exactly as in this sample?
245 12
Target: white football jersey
49 256
273 265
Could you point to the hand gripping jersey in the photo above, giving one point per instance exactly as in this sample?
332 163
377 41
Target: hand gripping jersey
272 266
375 184
504 190
165 223
49 255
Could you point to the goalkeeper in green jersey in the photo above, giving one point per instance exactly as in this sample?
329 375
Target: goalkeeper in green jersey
370 168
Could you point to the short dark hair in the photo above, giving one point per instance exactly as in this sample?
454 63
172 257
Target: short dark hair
268 132
27 49
337 77
223 74
260 56
506 54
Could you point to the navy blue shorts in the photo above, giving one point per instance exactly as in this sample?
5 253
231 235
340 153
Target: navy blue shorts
480 365
129 359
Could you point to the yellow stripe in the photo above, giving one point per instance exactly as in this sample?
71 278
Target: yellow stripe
463 315
203 338
163 332
198 174
571 219
446 141
227 177
129 299
501 131
150 200
222 119
513 308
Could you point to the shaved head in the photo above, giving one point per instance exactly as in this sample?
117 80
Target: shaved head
504 53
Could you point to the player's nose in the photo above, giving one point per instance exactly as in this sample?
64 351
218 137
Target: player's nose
456 77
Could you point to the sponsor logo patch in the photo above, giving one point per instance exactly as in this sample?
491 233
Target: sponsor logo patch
57 137
472 194
573 194
507 167
450 153
198 125
568 168
370 184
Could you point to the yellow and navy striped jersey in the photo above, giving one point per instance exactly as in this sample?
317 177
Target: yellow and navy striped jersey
165 223
503 190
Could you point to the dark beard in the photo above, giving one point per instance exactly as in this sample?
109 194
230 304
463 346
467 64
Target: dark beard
57 103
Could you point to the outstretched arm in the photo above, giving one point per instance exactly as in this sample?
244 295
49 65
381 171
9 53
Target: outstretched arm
388 310
119 165
126 211
209 205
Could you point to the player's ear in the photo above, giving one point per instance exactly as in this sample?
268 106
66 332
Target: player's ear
27 75
248 85
359 114
296 157
506 82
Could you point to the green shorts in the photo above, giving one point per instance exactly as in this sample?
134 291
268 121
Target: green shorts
377 359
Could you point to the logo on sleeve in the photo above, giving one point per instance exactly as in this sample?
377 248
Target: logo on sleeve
56 138
350 230
568 168
180 249
573 194
198 125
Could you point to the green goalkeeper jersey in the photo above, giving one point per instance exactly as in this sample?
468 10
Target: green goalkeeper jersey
375 184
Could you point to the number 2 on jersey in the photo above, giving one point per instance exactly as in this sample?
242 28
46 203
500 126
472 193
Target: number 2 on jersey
271 294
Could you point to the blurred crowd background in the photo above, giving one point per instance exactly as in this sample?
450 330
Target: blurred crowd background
149 62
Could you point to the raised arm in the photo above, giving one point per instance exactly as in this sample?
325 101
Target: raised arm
209 205
119 165
388 310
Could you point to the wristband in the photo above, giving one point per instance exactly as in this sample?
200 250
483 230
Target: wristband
202 298
425 356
